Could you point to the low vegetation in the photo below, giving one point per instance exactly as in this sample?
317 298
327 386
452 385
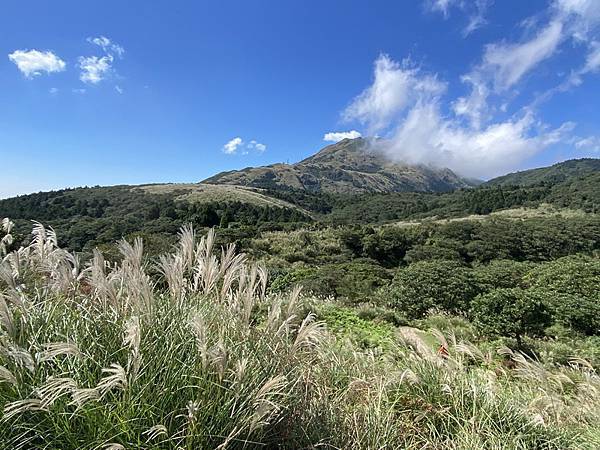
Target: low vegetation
195 348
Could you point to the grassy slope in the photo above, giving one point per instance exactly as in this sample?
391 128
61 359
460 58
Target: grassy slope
206 193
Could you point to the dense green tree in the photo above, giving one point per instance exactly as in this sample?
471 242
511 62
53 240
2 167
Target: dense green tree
511 312
426 285
572 287
388 246
500 273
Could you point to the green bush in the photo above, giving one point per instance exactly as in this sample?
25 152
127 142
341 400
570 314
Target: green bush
500 273
426 285
511 312
354 281
571 286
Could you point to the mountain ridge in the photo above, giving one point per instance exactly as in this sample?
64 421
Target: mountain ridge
348 166
555 173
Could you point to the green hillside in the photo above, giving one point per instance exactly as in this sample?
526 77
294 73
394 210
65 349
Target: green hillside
556 173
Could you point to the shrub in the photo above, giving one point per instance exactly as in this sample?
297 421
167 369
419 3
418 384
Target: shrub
426 285
511 313
500 273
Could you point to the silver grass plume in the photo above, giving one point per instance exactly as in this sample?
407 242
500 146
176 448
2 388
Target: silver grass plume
154 432
132 339
18 407
264 403
309 334
116 378
187 244
198 326
172 267
54 349
53 389
6 376
7 239
6 316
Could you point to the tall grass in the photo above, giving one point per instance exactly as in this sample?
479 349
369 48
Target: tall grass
99 355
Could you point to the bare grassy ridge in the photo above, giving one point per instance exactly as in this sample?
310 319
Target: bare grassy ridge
94 355
206 193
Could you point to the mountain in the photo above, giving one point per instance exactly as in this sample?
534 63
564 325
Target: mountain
557 173
349 166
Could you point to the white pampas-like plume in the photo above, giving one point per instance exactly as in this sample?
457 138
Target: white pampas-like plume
18 407
6 376
153 432
54 349
116 378
310 333
132 339
53 389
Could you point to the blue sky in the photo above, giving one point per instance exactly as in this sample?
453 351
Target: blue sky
113 92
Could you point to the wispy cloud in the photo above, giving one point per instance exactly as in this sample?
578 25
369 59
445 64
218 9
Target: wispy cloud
507 63
341 135
474 10
34 63
94 69
107 45
477 17
589 143
441 6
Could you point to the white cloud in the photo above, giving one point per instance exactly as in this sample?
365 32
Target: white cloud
426 137
254 145
237 144
395 86
475 11
477 17
341 135
582 17
34 62
503 66
441 6
119 89
109 47
474 107
592 63
94 69
508 63
575 78
417 131
53 90
231 147
589 143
